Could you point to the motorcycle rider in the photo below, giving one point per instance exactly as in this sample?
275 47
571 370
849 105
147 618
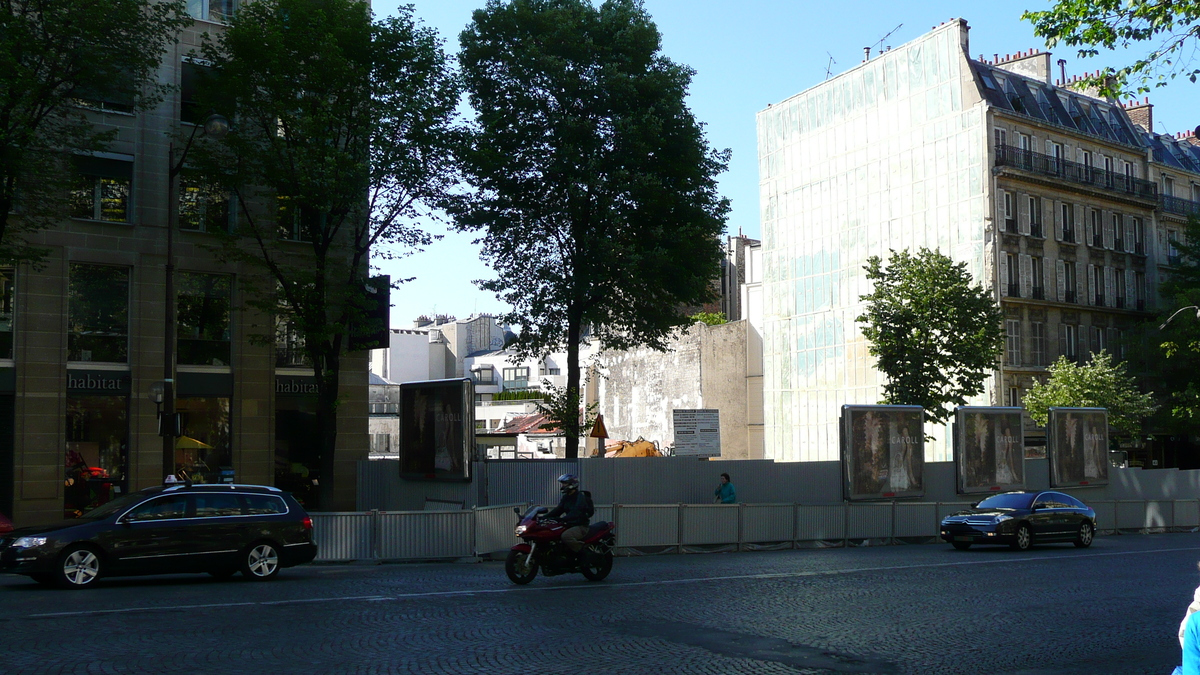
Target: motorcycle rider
574 510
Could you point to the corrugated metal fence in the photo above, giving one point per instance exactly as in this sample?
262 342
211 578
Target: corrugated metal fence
429 535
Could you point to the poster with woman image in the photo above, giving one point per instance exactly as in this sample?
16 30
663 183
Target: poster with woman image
989 449
437 430
883 451
1077 440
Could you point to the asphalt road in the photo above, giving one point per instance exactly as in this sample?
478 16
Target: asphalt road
1114 608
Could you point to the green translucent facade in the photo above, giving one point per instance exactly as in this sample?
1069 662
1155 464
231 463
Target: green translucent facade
890 155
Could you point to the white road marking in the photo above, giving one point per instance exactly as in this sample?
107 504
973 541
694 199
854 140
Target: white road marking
613 585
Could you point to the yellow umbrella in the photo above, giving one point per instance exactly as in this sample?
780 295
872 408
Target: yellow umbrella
189 443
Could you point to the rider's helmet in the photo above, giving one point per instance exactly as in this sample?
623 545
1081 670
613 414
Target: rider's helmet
568 482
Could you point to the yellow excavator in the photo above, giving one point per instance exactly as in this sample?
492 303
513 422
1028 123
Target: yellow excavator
639 448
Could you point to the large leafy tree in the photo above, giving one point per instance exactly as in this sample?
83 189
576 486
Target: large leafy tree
60 60
594 186
340 144
1169 355
1168 28
935 334
1100 383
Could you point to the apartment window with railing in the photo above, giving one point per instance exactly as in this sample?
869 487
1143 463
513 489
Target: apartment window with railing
1130 174
1012 352
1067 341
1001 136
1108 171
1037 278
1118 223
1098 286
220 11
1013 278
1037 343
1068 222
1139 237
1055 150
1099 341
1172 249
1097 229
1035 217
1139 290
1010 213
1168 184
1070 281
1119 283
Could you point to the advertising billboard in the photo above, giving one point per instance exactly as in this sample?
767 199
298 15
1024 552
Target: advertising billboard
697 432
883 451
989 449
1077 440
437 429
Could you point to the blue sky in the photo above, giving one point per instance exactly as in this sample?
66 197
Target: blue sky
745 54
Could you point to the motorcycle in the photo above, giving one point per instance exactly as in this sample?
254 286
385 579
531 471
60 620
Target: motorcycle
541 548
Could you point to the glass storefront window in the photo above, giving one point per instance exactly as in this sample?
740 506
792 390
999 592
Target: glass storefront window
203 319
6 313
97 451
297 449
98 322
203 451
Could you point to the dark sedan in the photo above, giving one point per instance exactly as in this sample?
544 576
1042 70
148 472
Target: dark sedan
1021 519
219 529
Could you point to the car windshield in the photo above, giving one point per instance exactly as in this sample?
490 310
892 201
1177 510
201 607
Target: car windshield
115 506
1012 500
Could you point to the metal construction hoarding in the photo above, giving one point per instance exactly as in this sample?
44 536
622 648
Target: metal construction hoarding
697 432
1077 439
883 451
989 449
437 429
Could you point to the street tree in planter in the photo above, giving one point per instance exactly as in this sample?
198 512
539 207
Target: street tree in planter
594 187
1100 383
935 335
342 136
61 63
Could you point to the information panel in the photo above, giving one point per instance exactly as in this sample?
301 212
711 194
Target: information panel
437 429
1077 439
883 451
989 449
697 432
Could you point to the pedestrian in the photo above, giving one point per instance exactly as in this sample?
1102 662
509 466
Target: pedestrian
1189 638
725 493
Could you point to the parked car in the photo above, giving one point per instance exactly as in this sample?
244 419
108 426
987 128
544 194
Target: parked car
218 529
1021 519
5 524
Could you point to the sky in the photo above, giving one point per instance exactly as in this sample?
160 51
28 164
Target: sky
746 54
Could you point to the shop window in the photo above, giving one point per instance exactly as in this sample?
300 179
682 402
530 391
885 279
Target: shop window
297 449
6 313
103 188
203 207
203 316
98 309
203 451
289 347
97 451
219 11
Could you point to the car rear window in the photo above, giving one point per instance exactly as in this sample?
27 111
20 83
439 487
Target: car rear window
1011 500
217 505
264 504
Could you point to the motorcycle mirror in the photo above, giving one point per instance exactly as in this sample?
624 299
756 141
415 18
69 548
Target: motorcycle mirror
517 510
543 509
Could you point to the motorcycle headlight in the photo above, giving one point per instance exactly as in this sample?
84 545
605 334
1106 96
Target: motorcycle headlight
520 530
29 542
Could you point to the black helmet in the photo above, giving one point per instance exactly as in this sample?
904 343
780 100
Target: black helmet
568 482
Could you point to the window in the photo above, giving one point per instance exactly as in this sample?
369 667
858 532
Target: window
1138 237
220 11
1001 137
1055 150
1037 343
1168 185
119 94
192 77
202 207
1119 282
1070 281
1118 223
98 313
217 505
6 313
1010 215
102 189
1023 142
264 505
1068 223
1097 229
290 220
1037 277
289 346
203 319
1108 171
1099 340
97 450
1067 341
484 375
1014 397
516 378
1012 350
1172 251
163 508
1098 285
1014 287
1195 192
1139 290
204 451
1035 216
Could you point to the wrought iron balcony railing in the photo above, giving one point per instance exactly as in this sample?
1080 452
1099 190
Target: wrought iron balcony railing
1069 296
1039 293
1074 172
1118 244
1177 205
1120 302
1014 290
1035 230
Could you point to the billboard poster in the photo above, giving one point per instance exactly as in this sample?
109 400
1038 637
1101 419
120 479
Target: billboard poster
883 451
1077 440
697 432
437 429
989 449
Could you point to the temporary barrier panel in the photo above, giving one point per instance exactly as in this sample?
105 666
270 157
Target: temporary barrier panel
916 519
1131 515
765 523
647 525
702 524
1106 516
494 528
868 521
344 535
419 535
1187 514
820 523
1160 515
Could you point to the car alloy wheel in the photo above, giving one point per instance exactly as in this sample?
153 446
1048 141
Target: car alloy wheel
261 562
80 567
1024 538
1086 534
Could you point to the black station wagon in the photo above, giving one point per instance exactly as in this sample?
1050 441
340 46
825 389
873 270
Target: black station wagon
218 529
1021 519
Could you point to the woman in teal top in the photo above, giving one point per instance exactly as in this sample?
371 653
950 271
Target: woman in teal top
726 493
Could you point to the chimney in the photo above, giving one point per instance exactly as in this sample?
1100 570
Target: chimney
1033 63
1192 137
1062 69
1142 114
866 54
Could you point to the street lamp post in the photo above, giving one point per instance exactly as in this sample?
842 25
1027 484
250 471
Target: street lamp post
215 126
1172 317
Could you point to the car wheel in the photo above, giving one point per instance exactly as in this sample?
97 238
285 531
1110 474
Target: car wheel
1086 534
961 545
260 562
517 570
595 565
1024 538
78 567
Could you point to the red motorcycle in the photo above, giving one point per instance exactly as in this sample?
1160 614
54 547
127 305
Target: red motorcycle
541 547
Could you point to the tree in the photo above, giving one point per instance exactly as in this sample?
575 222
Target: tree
595 188
1111 24
342 137
935 335
709 318
60 61
1101 383
1172 351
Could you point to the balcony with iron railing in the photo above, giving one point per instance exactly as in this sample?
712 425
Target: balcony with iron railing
1069 235
1179 206
1141 305
1139 248
1069 296
1010 226
1120 302
1035 230
1074 172
1099 300
1119 244
1097 240
1039 293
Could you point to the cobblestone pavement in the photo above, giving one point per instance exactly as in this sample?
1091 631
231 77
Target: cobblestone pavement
1113 608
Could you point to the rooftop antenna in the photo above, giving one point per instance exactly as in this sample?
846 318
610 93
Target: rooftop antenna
879 45
829 66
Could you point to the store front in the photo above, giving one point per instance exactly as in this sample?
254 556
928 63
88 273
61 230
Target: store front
297 448
204 448
97 452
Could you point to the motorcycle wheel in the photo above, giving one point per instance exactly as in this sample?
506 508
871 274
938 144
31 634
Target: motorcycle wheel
595 565
516 569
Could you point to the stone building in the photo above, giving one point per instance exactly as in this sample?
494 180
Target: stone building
1050 195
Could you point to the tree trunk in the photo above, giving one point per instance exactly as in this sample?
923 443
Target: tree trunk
327 404
571 427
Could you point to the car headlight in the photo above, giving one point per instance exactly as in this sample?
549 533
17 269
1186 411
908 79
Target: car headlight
29 542
520 530
1001 519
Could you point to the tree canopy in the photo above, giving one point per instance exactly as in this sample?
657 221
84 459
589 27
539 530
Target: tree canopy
1100 383
935 334
594 187
1169 28
62 61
